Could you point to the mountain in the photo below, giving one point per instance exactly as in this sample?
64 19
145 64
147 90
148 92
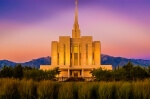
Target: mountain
106 60
6 62
120 61
37 62
33 63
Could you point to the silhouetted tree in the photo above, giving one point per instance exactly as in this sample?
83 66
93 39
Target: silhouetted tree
101 74
148 71
6 71
27 68
34 74
128 67
57 71
119 74
38 75
18 71
138 73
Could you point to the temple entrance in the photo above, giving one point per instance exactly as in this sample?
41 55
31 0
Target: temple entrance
76 74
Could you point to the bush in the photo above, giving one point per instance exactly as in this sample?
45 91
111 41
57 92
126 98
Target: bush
29 89
9 89
47 90
75 79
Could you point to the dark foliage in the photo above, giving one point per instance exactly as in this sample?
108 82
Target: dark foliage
18 71
28 73
74 79
6 72
127 73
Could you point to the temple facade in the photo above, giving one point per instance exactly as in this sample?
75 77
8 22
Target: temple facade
75 56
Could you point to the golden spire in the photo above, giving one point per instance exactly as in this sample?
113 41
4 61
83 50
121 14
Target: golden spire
76 30
76 15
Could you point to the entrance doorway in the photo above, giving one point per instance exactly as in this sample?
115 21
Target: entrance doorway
75 74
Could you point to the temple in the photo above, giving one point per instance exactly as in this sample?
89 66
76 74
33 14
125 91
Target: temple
76 56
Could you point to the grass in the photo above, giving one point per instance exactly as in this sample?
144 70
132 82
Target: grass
29 89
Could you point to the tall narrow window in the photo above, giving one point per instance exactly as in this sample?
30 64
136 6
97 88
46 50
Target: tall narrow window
79 54
93 59
64 55
80 59
93 51
71 55
71 49
71 72
86 54
75 54
58 58
80 72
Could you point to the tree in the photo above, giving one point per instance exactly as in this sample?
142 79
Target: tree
119 74
27 68
101 74
38 75
18 71
138 73
50 74
128 67
149 70
34 74
6 72
57 71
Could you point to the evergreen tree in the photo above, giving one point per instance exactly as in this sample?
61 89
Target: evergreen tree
149 71
7 71
138 73
18 71
101 74
128 67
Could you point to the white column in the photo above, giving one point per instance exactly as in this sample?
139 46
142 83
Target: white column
82 72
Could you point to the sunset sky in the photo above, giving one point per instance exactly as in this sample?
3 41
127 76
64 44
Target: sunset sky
27 27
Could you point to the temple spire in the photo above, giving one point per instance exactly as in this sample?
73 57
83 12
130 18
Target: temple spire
76 15
76 30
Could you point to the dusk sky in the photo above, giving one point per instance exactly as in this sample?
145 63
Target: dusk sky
27 27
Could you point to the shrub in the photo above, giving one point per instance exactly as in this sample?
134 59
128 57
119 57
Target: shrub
106 90
28 89
47 89
75 79
8 89
123 90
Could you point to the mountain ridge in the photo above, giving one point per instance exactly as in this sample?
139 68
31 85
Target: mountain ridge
121 61
105 60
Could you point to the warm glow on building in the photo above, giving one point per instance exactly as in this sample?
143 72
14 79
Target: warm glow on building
75 56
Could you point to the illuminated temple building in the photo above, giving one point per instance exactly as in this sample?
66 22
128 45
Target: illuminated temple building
75 56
